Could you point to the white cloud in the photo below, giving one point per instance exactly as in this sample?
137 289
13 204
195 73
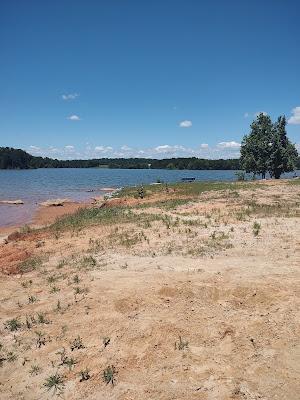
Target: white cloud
103 149
229 145
185 124
69 149
74 117
246 115
224 150
295 118
168 149
126 148
70 96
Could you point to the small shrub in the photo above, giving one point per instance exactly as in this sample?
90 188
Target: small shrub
26 284
13 324
11 356
181 345
77 344
106 341
30 264
84 375
65 360
34 370
41 339
32 299
42 319
109 375
54 382
256 228
76 279
54 289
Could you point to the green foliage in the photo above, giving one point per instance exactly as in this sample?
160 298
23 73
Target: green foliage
267 148
18 159
181 345
256 228
84 375
109 375
240 175
77 344
13 324
54 382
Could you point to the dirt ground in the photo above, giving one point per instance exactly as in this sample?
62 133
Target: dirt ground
195 301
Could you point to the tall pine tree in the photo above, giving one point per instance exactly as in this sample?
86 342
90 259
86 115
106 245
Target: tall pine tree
267 148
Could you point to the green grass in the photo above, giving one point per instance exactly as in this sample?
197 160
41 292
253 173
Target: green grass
101 216
187 189
54 382
30 264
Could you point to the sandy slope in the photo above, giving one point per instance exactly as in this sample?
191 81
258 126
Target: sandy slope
231 296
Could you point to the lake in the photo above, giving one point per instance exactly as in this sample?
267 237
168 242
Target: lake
34 186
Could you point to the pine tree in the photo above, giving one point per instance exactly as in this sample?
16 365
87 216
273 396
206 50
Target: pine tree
267 148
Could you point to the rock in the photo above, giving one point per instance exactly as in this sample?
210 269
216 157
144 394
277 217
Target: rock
108 189
16 202
55 202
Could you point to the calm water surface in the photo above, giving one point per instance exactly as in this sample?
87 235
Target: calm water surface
34 186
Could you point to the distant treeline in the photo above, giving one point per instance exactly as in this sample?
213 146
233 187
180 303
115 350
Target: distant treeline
18 159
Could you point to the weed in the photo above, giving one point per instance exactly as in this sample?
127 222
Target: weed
30 264
13 324
58 306
54 382
106 341
87 262
109 375
32 299
54 289
65 360
256 228
84 375
25 229
181 345
41 339
34 370
51 279
76 279
79 290
26 284
41 319
77 344
61 264
11 356
30 321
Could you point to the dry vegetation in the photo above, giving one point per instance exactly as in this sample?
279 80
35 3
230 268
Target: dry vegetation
189 293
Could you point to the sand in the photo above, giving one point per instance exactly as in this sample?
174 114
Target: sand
197 308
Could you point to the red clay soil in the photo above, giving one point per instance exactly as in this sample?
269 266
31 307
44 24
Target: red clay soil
11 256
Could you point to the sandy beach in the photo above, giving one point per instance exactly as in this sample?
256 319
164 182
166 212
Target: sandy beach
189 293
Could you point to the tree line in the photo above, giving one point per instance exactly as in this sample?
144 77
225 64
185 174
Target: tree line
11 158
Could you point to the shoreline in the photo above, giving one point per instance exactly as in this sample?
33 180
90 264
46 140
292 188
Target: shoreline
201 275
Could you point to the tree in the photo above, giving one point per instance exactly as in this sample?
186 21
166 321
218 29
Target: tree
267 148
283 154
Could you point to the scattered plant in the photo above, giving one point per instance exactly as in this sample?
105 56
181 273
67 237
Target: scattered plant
109 375
77 344
181 345
84 375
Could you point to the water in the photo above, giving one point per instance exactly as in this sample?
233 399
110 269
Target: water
34 186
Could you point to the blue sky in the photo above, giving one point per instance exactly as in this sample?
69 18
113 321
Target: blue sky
157 78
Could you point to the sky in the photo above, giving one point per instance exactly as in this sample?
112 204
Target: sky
159 78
